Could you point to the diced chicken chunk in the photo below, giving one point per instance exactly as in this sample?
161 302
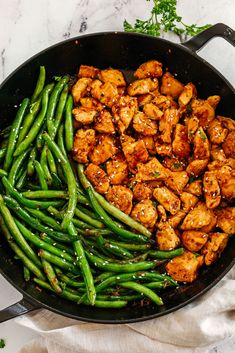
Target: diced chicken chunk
226 179
195 188
104 123
153 170
194 240
167 122
176 219
188 201
214 247
197 218
142 191
144 125
152 111
83 115
121 197
164 102
84 143
144 99
123 112
92 103
166 237
151 68
163 149
213 101
143 86
177 181
196 167
149 143
211 189
201 145
217 153
106 93
203 111
162 214
184 268
174 164
135 152
227 122
112 75
145 213
88 71
98 178
167 199
80 88
180 144
228 145
192 125
117 170
187 94
226 219
217 133
171 86
104 149
211 226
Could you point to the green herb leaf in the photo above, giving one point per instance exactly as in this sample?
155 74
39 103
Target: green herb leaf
202 135
2 343
157 174
176 165
57 78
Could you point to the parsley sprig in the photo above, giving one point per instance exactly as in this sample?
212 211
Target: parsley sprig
164 17
2 343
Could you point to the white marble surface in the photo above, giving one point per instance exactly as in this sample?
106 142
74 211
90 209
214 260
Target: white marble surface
28 26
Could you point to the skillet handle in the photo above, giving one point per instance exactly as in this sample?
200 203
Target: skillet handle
22 307
218 30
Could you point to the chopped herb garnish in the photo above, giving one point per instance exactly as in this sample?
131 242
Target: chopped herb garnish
2 343
176 165
130 186
57 78
157 174
202 135
188 109
191 179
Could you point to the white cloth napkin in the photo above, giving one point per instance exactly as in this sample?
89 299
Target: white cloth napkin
193 329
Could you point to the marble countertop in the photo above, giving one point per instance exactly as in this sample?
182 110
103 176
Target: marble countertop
29 26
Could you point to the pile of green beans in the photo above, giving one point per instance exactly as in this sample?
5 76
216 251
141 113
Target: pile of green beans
68 238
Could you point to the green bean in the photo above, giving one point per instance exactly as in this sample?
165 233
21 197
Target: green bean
56 182
156 285
143 290
41 176
112 210
118 250
26 274
28 120
51 162
30 166
26 202
88 212
46 194
159 254
3 173
134 247
39 139
110 224
16 234
51 276
14 134
60 110
68 281
43 161
86 272
22 180
59 215
120 297
35 223
49 221
60 140
3 151
20 254
58 245
71 181
58 261
40 84
53 102
16 167
86 218
69 124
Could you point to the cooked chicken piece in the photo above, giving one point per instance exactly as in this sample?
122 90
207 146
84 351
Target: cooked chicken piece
217 133
123 112
180 144
211 189
219 164
201 145
226 219
203 111
167 122
171 86
217 153
187 94
228 146
98 178
106 93
121 197
112 75
117 170
80 88
188 201
184 268
174 164
142 191
144 99
152 111
92 103
149 143
164 102
144 125
214 247
194 240
135 152
176 219
104 123
151 68
197 218
83 115
227 122
84 142
145 213
163 149
104 149
88 71
167 199
166 237
161 213
195 187
153 170
143 86
211 226
213 101
177 181
192 125
196 167
226 179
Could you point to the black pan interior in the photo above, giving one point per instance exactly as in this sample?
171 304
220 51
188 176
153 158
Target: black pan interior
126 52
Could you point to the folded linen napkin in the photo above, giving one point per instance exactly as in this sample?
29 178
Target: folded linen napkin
196 328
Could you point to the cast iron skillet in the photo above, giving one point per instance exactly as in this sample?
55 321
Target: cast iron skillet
125 51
